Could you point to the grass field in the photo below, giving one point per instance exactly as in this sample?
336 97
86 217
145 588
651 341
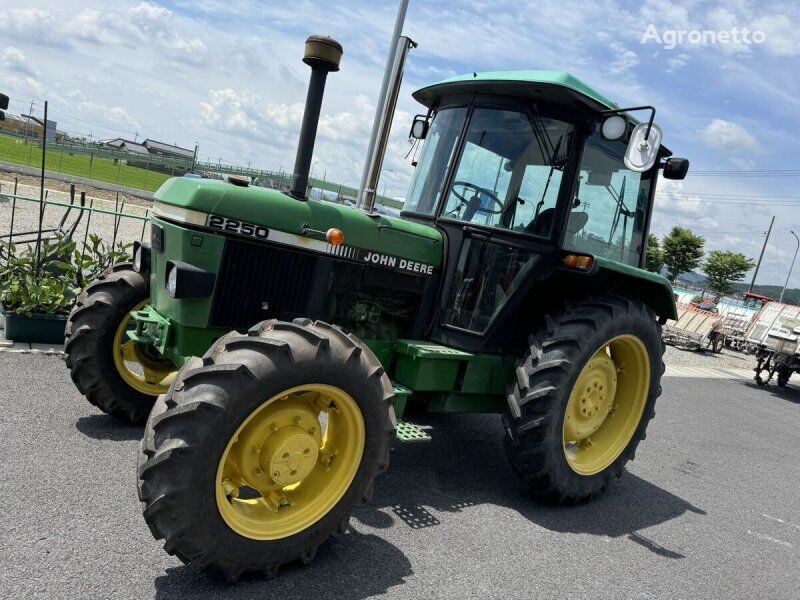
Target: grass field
15 150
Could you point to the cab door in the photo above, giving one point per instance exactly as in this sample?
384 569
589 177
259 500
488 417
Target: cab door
500 213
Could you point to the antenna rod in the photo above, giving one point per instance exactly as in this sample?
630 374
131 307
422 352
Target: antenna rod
387 76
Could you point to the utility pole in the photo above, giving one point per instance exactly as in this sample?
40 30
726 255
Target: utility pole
761 256
783 291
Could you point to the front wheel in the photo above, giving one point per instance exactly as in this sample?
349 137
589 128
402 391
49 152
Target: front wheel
115 374
260 451
583 396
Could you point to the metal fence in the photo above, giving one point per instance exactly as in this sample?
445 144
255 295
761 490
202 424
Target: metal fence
67 213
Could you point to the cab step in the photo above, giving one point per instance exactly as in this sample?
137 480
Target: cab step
410 433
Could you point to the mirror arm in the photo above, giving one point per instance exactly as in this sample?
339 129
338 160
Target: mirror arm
618 111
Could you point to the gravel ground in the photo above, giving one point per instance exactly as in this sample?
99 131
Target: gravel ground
708 510
727 359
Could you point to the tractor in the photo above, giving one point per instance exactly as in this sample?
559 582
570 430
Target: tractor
275 346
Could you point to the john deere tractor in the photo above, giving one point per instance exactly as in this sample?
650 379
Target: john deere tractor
279 344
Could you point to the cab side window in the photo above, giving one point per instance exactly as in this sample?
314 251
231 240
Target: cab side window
608 213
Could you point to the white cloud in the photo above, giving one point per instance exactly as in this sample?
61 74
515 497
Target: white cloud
729 137
781 35
31 24
143 24
745 164
677 61
624 62
15 61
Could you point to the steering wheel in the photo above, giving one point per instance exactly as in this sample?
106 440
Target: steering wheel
477 188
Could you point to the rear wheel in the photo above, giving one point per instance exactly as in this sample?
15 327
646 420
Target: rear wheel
114 373
583 396
260 451
718 343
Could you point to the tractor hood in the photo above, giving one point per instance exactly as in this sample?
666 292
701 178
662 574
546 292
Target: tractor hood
277 211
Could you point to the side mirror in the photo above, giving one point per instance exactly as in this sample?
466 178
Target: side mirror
643 147
419 127
3 102
676 168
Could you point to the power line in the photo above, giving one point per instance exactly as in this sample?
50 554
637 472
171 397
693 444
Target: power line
754 173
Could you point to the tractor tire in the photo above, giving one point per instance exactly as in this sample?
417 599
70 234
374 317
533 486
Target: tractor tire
93 350
606 345
718 344
223 424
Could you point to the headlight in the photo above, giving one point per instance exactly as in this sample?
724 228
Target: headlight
141 257
172 281
186 281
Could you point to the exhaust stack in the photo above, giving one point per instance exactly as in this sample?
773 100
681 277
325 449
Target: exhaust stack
323 55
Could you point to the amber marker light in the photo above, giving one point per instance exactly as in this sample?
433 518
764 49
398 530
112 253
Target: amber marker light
334 236
579 262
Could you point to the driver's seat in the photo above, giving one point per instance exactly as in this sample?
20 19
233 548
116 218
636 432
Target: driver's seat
543 224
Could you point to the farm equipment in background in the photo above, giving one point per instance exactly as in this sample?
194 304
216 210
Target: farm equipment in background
775 335
736 317
512 283
694 328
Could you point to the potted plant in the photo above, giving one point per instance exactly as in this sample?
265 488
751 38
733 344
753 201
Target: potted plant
36 295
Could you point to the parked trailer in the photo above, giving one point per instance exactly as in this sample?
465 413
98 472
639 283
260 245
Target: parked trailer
695 328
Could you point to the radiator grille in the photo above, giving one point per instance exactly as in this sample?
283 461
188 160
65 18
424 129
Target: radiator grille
258 282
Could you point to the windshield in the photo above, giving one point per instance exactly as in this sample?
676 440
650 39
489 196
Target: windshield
426 185
509 173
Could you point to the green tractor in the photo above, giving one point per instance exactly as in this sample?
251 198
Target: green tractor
283 343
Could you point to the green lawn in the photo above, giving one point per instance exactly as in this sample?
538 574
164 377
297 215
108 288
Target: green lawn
15 150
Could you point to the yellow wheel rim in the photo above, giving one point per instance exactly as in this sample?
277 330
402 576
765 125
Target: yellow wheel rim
606 405
290 462
143 373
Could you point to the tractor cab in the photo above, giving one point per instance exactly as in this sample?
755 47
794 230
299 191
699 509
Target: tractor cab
520 171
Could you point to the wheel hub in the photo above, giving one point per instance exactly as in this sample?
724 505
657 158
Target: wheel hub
284 460
289 455
606 404
592 398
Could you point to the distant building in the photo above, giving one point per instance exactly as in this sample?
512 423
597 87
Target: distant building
28 127
162 149
145 155
125 146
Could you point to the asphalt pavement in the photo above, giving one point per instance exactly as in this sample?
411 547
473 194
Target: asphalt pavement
709 509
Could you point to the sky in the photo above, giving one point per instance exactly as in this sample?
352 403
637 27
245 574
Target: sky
228 76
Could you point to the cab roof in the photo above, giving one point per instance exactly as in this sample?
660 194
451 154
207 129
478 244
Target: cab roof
557 87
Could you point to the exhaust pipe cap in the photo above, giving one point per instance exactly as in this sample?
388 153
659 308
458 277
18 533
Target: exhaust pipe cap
323 52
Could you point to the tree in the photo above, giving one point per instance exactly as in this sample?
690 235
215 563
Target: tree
723 268
682 251
654 258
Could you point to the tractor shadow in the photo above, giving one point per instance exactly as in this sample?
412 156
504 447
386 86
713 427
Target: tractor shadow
790 393
354 567
105 427
465 465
